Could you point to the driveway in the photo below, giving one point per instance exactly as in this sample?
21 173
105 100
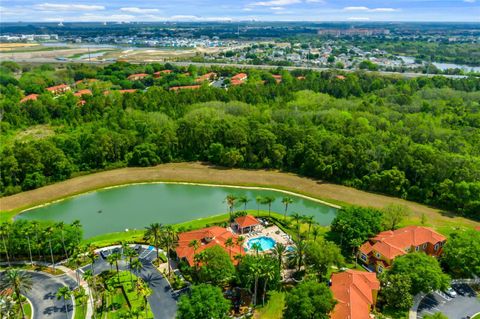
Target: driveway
163 300
466 303
42 296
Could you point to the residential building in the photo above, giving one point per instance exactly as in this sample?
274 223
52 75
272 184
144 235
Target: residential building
186 87
138 76
159 73
245 224
59 89
30 97
206 77
379 252
277 77
80 93
355 292
238 79
207 238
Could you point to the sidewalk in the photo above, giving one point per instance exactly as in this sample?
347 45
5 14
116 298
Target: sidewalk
72 274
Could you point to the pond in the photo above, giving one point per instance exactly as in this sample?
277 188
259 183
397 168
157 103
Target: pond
136 206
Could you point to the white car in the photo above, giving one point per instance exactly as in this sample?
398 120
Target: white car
450 292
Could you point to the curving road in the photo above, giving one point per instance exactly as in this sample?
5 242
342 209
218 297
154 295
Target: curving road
163 300
43 299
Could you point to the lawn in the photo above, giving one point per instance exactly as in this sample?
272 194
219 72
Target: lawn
274 308
81 307
26 308
115 300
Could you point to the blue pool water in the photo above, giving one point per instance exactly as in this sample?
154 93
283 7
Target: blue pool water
266 243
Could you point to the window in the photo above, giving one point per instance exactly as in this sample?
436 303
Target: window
417 248
407 249
363 257
378 255
424 246
436 246
380 269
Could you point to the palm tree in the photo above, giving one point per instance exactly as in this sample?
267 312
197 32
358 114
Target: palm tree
113 259
19 281
259 200
129 253
296 217
229 244
240 241
169 240
35 230
315 232
230 199
255 269
297 254
61 227
310 221
256 247
153 234
76 225
135 266
195 244
268 273
90 279
286 201
268 200
48 233
144 291
26 232
243 200
4 232
64 293
279 251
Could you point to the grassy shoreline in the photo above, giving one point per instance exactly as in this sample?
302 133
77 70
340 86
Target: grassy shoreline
197 173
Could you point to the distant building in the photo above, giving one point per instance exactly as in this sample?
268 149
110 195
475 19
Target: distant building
353 31
59 89
30 97
159 73
379 252
80 93
238 79
136 77
207 238
356 292
206 77
277 77
185 87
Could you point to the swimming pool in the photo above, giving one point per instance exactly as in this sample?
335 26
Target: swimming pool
266 243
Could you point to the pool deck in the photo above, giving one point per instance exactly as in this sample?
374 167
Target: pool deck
271 231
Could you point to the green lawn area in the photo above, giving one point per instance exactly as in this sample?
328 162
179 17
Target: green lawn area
477 316
81 307
26 308
116 302
274 308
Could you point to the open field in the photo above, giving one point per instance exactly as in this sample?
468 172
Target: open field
201 173
15 46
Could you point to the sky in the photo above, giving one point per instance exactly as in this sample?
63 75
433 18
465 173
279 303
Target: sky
239 10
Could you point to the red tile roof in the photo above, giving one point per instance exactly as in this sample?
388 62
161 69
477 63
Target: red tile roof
137 76
206 77
128 91
86 81
246 221
58 87
238 78
185 87
353 290
83 92
393 243
30 97
477 228
277 77
207 238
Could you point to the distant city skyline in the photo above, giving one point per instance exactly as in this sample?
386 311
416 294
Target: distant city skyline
230 10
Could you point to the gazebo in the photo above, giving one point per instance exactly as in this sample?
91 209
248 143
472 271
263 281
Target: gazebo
245 224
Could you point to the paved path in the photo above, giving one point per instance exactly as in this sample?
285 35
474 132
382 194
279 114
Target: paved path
43 299
163 300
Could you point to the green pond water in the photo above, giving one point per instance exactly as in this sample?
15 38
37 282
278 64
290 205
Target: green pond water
136 206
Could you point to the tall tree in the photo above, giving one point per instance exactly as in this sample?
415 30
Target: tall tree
279 251
19 281
64 293
153 234
394 214
461 254
203 302
286 201
230 200
243 200
309 300
395 292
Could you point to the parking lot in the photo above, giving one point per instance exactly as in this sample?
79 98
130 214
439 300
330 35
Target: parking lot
465 303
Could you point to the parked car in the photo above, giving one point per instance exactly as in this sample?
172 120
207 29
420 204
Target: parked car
450 292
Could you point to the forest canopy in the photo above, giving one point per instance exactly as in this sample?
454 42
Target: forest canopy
416 138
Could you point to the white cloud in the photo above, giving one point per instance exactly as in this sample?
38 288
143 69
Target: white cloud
68 7
90 17
469 1
367 9
274 3
138 10
277 8
358 18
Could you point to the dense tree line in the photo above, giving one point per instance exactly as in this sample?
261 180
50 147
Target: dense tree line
412 138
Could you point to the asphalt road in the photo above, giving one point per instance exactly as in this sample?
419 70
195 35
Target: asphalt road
163 301
42 295
464 304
